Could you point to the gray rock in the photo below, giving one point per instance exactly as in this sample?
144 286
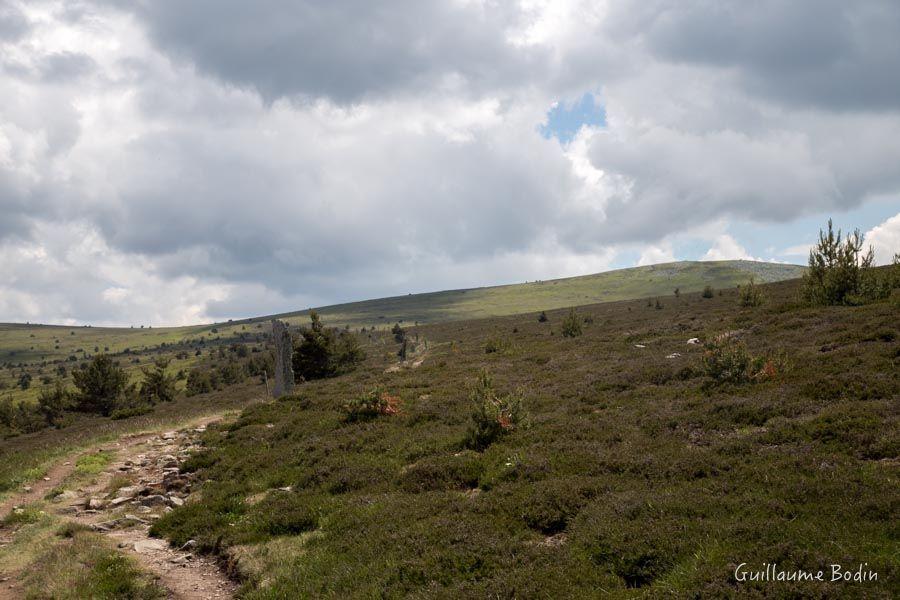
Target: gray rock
167 461
153 500
130 491
189 544
149 546
135 518
66 496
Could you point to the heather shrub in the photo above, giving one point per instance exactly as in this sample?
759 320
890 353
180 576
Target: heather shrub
370 405
443 472
495 345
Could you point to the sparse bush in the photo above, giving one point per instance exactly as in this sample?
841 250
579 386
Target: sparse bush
708 292
370 405
157 386
492 415
323 352
24 381
126 412
53 403
100 385
726 360
398 332
495 345
200 381
841 273
750 295
571 326
348 352
232 372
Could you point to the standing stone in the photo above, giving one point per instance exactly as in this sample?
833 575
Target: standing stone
284 349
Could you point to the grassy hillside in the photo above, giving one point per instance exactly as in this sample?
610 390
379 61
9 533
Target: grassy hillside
29 343
634 473
40 350
622 284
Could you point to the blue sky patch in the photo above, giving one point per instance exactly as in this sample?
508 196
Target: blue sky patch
565 119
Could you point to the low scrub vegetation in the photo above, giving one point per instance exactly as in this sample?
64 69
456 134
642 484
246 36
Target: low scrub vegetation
750 295
493 414
370 405
84 566
647 467
571 325
727 360
496 345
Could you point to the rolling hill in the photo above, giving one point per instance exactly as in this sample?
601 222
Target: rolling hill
29 343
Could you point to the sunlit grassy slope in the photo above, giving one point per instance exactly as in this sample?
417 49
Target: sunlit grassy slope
29 343
623 284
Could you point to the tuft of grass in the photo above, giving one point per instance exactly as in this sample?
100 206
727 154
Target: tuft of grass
24 515
91 464
116 482
84 566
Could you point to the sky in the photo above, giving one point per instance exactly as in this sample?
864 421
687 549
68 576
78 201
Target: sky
166 162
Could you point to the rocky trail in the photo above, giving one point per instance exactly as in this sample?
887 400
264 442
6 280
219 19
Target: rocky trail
142 482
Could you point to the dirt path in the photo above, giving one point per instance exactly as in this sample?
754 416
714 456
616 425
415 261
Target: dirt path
141 483
37 490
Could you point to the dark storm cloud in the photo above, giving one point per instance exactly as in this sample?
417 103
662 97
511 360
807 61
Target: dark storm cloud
345 50
828 54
